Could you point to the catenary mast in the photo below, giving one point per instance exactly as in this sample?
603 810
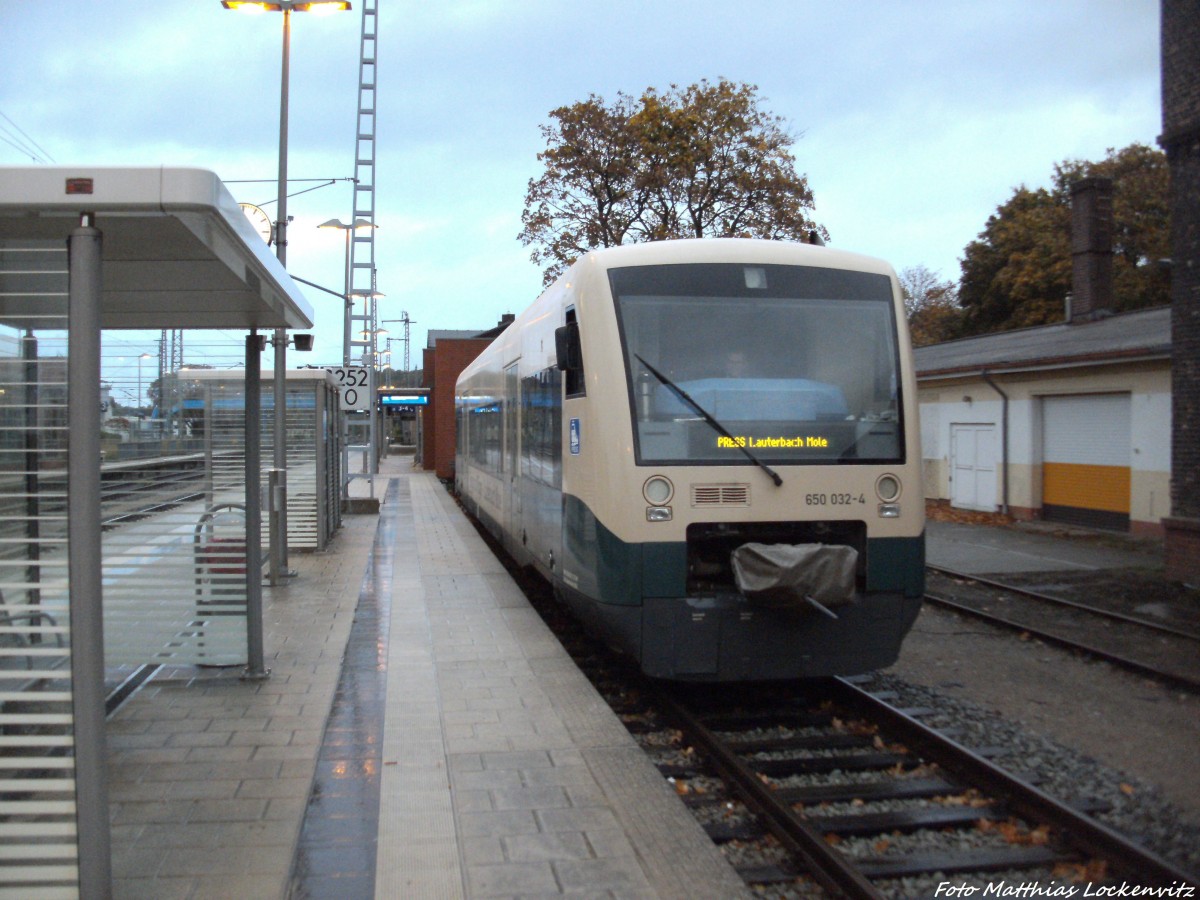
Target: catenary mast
361 313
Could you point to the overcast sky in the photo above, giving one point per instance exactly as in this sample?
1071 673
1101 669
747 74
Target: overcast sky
914 120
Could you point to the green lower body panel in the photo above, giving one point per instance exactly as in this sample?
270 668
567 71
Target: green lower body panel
724 638
636 597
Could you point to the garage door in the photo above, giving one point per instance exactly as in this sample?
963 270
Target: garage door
1086 456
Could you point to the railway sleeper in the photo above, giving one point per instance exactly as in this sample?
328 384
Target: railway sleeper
904 820
801 742
817 765
670 770
724 832
638 726
768 875
704 801
746 721
891 789
984 859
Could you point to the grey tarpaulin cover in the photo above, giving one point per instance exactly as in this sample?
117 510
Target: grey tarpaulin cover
788 575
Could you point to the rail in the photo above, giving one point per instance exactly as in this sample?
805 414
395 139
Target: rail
1151 665
900 743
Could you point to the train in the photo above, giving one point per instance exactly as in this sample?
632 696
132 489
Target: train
711 449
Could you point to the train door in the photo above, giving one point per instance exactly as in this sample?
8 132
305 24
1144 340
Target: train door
512 453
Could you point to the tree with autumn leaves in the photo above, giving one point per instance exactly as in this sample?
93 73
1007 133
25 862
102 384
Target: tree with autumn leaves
702 161
708 161
1017 273
930 305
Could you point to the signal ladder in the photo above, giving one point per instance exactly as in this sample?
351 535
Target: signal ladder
361 315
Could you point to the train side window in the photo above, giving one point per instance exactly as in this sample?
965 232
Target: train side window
569 354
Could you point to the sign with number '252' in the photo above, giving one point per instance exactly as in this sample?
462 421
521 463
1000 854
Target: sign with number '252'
353 383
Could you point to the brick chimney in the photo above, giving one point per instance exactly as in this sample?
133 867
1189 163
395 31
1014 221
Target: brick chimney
1091 250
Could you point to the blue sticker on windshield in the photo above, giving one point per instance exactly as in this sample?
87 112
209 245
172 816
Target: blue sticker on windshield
574 437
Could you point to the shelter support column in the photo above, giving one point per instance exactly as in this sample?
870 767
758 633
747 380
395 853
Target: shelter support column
255 665
84 560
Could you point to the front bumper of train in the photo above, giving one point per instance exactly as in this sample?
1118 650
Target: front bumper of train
638 597
725 638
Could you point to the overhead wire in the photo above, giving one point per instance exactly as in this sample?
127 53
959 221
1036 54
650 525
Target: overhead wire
25 144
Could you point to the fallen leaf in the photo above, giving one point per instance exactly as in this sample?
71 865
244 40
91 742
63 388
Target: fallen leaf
1092 871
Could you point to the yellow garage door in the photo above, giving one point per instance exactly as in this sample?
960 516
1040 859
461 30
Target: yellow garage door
1086 456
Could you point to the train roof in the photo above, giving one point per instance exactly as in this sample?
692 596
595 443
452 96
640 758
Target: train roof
683 252
715 250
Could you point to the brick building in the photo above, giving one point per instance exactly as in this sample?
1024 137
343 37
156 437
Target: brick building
447 353
1181 141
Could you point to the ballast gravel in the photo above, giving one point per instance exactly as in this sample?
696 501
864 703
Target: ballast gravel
1139 810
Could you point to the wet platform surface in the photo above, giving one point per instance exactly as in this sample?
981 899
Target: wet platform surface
421 734
336 852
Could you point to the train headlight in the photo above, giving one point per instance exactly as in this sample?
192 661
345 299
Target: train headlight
887 488
658 490
658 514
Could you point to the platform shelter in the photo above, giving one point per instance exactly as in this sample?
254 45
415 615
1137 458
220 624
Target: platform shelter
214 407
85 552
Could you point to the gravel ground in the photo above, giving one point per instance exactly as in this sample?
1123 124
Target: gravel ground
1084 729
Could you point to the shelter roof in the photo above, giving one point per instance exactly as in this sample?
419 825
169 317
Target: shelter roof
178 252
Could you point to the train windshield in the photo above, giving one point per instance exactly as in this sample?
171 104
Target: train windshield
795 364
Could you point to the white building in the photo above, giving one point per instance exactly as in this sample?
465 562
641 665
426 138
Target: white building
1068 422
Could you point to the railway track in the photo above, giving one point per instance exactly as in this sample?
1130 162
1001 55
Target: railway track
1161 651
854 837
819 789
822 789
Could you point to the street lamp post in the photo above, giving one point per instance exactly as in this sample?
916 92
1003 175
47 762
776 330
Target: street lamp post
358 225
347 313
278 500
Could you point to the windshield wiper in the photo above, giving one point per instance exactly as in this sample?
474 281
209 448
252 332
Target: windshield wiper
708 417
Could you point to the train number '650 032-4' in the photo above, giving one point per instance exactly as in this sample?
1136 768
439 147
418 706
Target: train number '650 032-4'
833 499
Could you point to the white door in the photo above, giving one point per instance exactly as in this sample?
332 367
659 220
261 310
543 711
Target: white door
973 466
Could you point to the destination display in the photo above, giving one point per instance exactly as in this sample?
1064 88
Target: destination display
773 443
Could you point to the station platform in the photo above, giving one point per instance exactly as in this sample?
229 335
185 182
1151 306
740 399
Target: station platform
421 734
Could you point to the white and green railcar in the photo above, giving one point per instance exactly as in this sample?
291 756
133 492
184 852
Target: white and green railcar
711 450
